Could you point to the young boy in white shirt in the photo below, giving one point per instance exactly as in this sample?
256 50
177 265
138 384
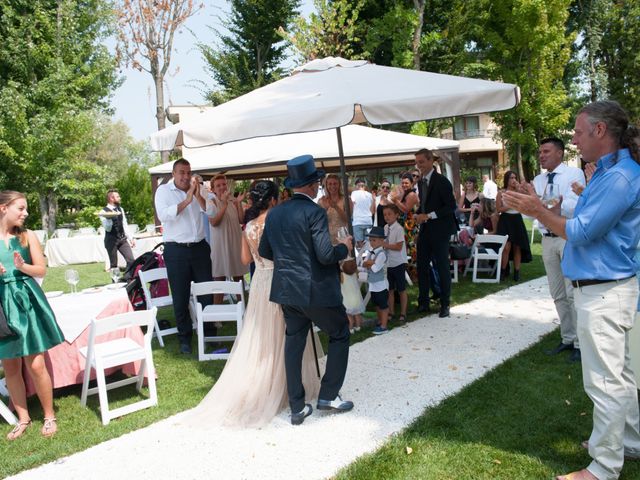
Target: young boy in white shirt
396 260
375 263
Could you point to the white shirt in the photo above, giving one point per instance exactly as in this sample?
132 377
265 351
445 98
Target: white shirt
186 227
362 201
490 190
395 234
564 177
379 258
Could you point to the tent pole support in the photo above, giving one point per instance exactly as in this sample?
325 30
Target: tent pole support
345 181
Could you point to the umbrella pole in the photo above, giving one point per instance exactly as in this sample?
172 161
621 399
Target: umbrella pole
345 180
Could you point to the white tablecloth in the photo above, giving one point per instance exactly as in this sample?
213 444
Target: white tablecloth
90 249
74 312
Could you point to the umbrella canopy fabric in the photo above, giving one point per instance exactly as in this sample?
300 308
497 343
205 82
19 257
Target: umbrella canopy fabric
334 92
268 155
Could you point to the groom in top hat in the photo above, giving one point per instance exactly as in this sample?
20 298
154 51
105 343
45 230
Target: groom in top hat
306 282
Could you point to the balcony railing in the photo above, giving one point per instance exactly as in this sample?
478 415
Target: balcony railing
465 134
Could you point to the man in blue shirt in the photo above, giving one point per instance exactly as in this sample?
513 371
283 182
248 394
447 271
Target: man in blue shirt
599 260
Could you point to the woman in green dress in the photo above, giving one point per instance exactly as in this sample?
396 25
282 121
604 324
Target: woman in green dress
28 314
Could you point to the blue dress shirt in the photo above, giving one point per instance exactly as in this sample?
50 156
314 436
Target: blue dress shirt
603 234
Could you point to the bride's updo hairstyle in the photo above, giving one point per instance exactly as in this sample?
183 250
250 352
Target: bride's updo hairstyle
261 193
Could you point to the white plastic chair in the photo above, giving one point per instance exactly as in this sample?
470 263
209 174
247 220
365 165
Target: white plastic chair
485 255
151 228
225 312
4 410
62 233
147 277
121 351
132 228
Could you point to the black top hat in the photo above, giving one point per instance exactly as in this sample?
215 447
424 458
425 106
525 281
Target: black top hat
376 232
302 171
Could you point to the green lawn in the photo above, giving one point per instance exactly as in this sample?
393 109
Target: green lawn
522 420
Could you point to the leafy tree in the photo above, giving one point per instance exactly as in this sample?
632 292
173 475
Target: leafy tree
330 32
249 56
619 54
525 42
54 73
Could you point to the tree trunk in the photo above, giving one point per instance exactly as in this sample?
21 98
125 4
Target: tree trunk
519 154
48 211
417 35
161 116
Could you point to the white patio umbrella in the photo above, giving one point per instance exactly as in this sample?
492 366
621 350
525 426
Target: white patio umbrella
334 92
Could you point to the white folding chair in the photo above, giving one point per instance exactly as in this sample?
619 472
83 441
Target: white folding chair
224 312
4 410
100 356
453 267
151 228
132 228
534 226
147 277
480 252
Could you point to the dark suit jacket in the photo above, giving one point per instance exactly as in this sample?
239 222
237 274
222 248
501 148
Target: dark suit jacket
306 271
440 200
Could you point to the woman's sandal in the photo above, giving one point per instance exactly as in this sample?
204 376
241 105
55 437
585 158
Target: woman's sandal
402 319
50 427
18 430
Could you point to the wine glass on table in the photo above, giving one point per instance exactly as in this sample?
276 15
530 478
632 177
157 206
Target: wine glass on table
551 195
73 278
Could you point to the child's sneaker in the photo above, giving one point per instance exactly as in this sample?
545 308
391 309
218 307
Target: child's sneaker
379 330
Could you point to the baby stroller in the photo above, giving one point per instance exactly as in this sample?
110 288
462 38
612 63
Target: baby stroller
144 262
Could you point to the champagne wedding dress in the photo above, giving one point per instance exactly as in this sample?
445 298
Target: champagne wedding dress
252 388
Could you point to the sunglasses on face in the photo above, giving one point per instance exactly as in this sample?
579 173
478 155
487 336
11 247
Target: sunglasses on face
415 175
385 187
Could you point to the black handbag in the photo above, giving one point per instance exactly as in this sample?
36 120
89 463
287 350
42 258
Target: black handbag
5 329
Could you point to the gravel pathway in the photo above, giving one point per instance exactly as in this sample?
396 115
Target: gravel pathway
391 379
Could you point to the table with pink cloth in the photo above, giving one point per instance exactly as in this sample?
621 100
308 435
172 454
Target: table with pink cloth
74 313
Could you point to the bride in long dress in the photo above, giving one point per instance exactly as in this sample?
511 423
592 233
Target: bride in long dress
252 389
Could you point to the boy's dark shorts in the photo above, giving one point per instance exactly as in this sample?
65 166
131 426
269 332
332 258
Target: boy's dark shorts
380 299
397 278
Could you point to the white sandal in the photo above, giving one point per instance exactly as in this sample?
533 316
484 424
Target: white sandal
50 427
18 430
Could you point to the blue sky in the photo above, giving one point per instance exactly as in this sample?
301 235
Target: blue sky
134 101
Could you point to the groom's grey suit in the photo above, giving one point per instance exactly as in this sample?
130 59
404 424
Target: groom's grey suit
306 282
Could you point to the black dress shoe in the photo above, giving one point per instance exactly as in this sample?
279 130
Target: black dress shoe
560 348
423 309
444 311
575 356
337 405
298 418
185 348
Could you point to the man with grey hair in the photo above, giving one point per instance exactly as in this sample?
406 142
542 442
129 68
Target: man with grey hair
599 260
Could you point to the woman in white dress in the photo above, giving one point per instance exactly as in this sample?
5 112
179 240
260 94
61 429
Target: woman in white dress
252 389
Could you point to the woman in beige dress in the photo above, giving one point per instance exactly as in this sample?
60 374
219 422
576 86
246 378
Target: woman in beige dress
226 216
252 389
333 203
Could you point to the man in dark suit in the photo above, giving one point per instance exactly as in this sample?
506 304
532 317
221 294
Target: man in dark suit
437 220
306 283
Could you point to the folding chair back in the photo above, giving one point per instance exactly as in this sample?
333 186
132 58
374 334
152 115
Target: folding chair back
4 410
482 252
225 312
118 352
153 275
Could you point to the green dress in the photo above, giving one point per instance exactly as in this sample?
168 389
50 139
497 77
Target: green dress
26 308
